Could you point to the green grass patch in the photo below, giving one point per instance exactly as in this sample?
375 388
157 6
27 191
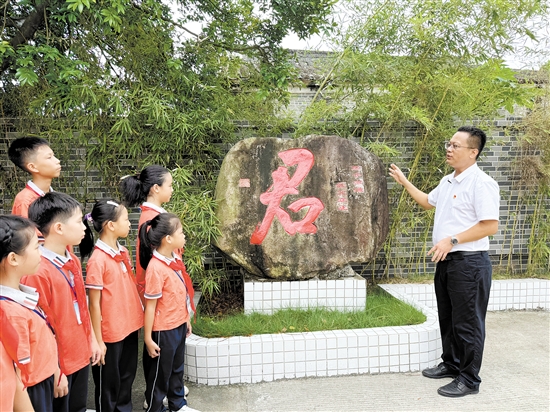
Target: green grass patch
525 275
382 309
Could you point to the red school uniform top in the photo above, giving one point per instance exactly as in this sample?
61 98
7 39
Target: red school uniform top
24 198
148 211
121 309
36 346
63 299
8 380
8 355
168 287
23 201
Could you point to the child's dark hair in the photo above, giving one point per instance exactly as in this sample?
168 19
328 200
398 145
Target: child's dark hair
52 207
15 235
20 150
104 211
152 232
135 188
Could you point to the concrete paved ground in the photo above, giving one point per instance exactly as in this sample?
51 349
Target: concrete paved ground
515 375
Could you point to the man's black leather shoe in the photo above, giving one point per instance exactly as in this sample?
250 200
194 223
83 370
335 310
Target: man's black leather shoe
456 389
439 371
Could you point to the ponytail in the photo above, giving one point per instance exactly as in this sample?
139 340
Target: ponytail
152 232
145 246
87 243
135 188
132 191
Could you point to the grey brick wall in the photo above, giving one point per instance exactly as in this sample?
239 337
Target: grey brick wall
508 247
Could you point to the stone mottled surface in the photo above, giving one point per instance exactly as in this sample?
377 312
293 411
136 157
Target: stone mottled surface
341 181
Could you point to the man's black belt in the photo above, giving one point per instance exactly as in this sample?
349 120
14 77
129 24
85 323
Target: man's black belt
462 254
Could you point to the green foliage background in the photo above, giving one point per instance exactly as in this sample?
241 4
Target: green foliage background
428 67
122 84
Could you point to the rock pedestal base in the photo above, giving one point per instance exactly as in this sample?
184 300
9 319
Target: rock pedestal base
345 295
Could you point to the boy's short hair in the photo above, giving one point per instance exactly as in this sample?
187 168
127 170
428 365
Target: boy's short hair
23 148
50 208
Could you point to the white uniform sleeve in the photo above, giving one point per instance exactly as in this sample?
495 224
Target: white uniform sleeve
487 200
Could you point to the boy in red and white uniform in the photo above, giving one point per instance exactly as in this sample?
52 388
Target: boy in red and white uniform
35 156
60 284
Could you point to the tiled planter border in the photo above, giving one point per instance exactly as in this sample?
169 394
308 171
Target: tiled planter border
267 297
258 358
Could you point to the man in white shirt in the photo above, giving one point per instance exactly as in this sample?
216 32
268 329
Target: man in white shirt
467 212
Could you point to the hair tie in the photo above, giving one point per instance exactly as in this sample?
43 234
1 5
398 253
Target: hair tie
88 217
110 202
125 177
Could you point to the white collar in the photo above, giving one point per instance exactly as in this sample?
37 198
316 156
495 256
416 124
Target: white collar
471 169
154 207
25 296
100 244
53 257
36 189
164 258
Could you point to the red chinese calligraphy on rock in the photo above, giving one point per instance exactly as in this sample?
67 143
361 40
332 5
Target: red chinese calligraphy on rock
282 186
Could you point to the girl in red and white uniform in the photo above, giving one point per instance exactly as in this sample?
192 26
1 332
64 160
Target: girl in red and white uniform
149 189
167 320
115 306
27 334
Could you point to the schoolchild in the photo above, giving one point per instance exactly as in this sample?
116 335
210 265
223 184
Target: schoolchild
36 349
8 376
13 396
35 156
115 306
167 320
62 295
149 189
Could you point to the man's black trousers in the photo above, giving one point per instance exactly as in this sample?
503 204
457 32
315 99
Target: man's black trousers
462 286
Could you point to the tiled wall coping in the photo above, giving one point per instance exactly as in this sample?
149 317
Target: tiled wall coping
346 295
250 359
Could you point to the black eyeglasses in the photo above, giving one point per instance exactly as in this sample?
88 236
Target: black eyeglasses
454 146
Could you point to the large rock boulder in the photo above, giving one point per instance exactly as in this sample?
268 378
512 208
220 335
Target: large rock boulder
295 209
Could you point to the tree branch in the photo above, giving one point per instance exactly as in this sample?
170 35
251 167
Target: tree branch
8 22
138 7
225 46
27 30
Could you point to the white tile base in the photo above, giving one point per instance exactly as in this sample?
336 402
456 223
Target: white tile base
264 358
347 294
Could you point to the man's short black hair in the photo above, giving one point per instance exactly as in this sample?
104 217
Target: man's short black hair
50 208
23 148
477 138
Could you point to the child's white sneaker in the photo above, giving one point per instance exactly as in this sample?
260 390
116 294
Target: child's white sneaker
187 408
164 402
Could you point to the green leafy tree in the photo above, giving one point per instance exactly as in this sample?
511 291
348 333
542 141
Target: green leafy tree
132 76
137 82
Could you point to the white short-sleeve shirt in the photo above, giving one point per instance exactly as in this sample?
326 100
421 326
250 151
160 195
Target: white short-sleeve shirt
461 202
